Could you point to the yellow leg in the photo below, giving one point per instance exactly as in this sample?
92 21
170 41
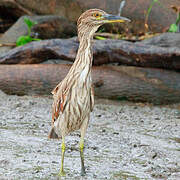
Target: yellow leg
81 146
63 147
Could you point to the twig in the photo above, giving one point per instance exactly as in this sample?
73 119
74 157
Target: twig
121 7
7 44
108 35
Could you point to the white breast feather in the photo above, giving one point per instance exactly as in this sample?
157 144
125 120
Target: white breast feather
84 74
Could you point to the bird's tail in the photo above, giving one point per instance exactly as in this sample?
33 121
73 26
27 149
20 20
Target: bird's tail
52 134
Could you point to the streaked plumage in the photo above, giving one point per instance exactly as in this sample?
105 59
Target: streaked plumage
74 96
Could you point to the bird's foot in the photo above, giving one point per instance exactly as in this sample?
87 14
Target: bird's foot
83 172
62 173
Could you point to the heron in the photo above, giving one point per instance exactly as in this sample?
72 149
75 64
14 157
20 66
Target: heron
74 95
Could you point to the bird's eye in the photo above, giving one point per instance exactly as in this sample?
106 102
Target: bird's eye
97 15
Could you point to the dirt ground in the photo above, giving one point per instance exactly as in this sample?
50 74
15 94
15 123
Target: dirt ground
123 141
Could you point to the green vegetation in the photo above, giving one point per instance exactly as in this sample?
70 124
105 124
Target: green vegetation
100 30
100 38
22 40
149 10
173 27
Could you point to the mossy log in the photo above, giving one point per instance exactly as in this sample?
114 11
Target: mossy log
156 86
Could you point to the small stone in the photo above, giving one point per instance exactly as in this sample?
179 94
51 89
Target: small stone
103 130
154 155
116 133
54 162
94 148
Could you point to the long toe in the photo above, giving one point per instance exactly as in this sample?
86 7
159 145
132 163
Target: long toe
83 172
62 173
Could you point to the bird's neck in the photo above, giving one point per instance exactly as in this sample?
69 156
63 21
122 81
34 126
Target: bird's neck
84 55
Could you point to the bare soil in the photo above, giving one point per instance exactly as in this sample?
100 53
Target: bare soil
124 141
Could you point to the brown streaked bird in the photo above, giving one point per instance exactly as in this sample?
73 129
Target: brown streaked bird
74 96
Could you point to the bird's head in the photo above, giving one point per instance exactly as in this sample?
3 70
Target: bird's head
90 20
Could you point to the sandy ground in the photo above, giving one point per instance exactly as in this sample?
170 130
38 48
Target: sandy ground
123 141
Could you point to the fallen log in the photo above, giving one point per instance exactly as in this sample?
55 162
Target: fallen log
115 82
106 51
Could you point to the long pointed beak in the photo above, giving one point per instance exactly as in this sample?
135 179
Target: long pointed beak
115 18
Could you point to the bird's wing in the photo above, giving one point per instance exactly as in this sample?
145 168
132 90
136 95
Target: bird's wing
60 93
92 98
